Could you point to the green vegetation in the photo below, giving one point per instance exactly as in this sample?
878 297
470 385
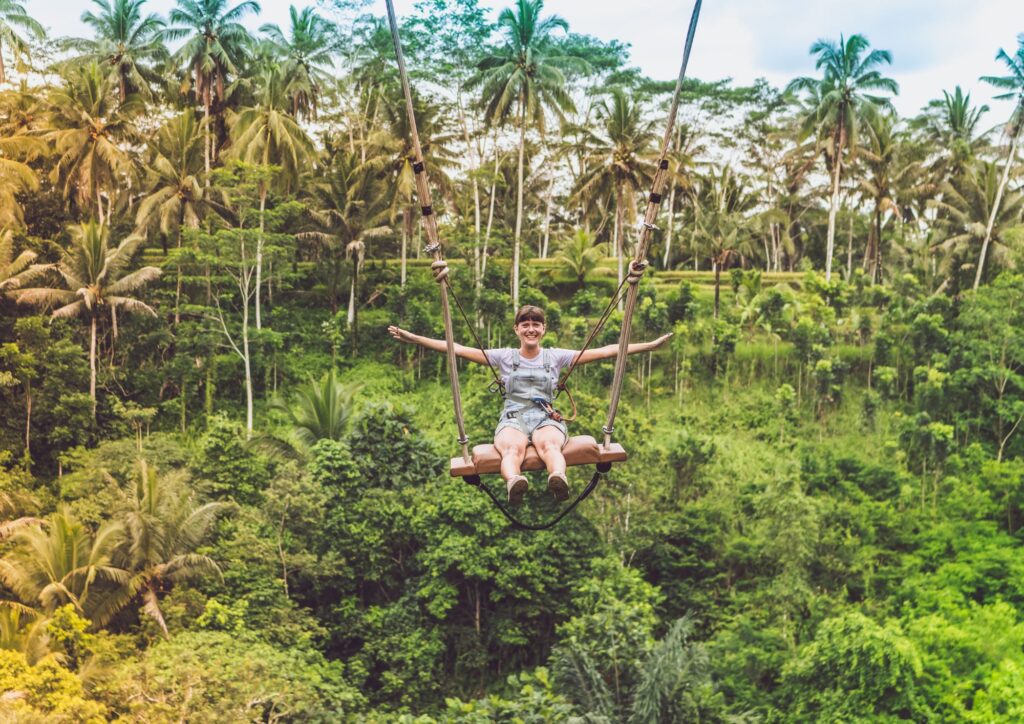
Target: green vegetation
232 502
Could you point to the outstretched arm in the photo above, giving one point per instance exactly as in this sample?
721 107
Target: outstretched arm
611 351
438 345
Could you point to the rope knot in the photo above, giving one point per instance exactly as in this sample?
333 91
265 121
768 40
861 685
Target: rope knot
440 270
636 271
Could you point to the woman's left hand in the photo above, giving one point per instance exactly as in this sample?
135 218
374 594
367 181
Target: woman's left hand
660 340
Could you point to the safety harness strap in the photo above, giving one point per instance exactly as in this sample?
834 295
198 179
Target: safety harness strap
602 469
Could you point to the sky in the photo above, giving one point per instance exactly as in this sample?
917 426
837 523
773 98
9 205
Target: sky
936 44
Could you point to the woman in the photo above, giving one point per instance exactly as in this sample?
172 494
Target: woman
530 374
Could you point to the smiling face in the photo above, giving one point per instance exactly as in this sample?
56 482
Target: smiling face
530 332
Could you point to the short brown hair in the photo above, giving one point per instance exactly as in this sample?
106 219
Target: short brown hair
528 312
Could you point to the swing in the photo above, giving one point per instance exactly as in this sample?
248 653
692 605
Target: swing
579 449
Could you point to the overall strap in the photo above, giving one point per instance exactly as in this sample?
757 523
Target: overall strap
545 358
515 360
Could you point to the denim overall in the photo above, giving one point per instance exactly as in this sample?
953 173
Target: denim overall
524 384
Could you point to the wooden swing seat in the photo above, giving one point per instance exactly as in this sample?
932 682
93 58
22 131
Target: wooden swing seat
579 450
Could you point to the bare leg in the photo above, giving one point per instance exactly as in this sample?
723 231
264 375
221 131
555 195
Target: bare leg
548 441
511 443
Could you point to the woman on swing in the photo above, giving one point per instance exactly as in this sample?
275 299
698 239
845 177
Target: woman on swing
530 374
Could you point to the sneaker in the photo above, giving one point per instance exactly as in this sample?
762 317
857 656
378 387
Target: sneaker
517 486
558 486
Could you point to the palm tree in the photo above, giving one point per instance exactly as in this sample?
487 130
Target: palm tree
175 195
886 172
162 527
10 505
96 277
963 209
307 56
680 179
61 563
90 129
320 410
347 206
839 104
391 151
265 134
21 110
373 75
16 176
619 164
215 45
723 220
13 269
125 41
579 256
12 16
23 630
525 76
951 125
1014 85
666 680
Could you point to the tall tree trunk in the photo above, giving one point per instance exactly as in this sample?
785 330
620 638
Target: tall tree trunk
247 359
406 233
670 221
177 287
547 218
849 252
876 263
995 209
353 309
519 203
207 137
92 364
875 248
833 207
617 238
717 264
28 418
259 255
475 163
490 211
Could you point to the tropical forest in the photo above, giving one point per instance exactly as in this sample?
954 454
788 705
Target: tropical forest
225 488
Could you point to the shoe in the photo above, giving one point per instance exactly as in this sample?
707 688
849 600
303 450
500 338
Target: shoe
517 486
558 486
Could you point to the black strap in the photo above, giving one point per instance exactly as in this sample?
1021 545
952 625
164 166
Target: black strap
516 523
498 385
605 315
417 167
427 210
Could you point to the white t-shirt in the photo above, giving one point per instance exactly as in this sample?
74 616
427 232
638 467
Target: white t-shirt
501 360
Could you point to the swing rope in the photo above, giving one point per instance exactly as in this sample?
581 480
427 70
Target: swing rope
439 267
638 266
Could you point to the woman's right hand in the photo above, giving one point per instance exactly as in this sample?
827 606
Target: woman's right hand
400 334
